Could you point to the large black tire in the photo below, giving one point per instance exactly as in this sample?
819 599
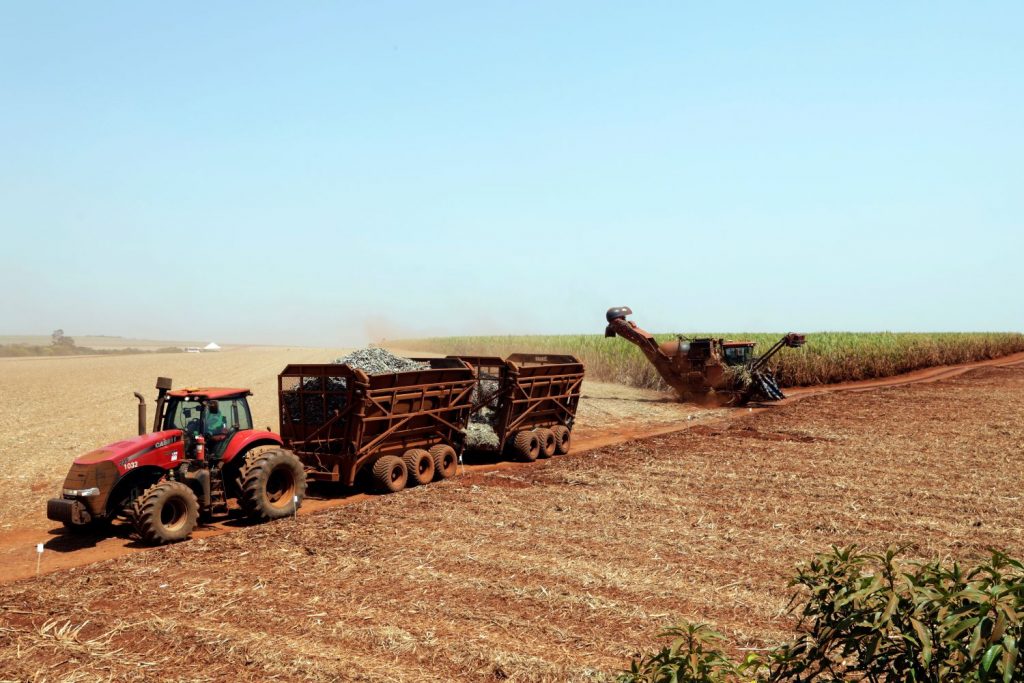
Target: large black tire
563 439
445 461
526 445
270 482
390 474
420 466
166 513
547 442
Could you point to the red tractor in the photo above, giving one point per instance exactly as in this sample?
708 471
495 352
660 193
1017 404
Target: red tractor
203 451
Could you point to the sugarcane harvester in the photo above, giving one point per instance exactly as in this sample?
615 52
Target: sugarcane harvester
706 369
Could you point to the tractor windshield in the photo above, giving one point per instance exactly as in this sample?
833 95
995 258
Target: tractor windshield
184 415
738 355
187 414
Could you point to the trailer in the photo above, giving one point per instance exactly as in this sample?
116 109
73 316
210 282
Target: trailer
395 429
531 400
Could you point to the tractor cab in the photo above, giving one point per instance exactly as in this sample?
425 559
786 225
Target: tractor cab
215 413
738 352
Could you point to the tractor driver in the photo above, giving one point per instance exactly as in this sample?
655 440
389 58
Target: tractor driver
214 423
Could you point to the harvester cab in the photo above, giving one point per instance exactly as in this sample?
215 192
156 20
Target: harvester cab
202 452
706 369
737 353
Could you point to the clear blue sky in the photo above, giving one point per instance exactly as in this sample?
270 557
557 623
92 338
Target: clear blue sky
312 173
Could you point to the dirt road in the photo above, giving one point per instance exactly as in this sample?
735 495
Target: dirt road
609 415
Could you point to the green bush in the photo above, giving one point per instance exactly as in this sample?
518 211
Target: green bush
694 656
867 617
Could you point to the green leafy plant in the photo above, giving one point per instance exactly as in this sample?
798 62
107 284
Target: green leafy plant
864 616
868 617
693 656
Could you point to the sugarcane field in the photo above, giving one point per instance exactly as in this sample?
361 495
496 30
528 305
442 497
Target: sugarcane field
665 343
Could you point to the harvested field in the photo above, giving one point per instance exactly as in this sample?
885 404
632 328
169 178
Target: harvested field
557 571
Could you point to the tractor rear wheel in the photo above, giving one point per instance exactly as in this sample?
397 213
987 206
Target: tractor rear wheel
526 445
563 439
389 474
445 461
165 513
420 466
547 442
271 482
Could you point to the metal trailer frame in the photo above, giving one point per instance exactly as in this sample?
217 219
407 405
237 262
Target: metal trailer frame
534 390
338 419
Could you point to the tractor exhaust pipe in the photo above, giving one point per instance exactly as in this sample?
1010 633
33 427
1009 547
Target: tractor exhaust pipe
142 413
163 385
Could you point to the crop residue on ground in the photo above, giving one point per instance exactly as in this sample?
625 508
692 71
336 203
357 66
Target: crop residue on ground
552 572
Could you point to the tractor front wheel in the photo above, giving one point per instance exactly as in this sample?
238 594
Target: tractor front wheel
166 513
273 485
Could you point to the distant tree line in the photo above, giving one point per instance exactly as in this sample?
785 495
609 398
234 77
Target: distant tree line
63 345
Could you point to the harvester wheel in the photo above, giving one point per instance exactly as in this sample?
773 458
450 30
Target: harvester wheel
165 513
445 461
547 442
420 466
389 474
526 445
563 439
270 483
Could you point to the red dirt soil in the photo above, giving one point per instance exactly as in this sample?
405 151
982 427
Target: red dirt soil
555 571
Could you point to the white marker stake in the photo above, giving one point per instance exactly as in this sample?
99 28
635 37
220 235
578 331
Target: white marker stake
462 464
295 507
39 556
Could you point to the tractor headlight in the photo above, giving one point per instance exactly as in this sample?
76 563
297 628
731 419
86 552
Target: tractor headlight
82 493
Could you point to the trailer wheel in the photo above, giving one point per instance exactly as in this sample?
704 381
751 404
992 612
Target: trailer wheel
445 461
526 445
420 466
270 483
389 474
563 439
165 513
547 442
